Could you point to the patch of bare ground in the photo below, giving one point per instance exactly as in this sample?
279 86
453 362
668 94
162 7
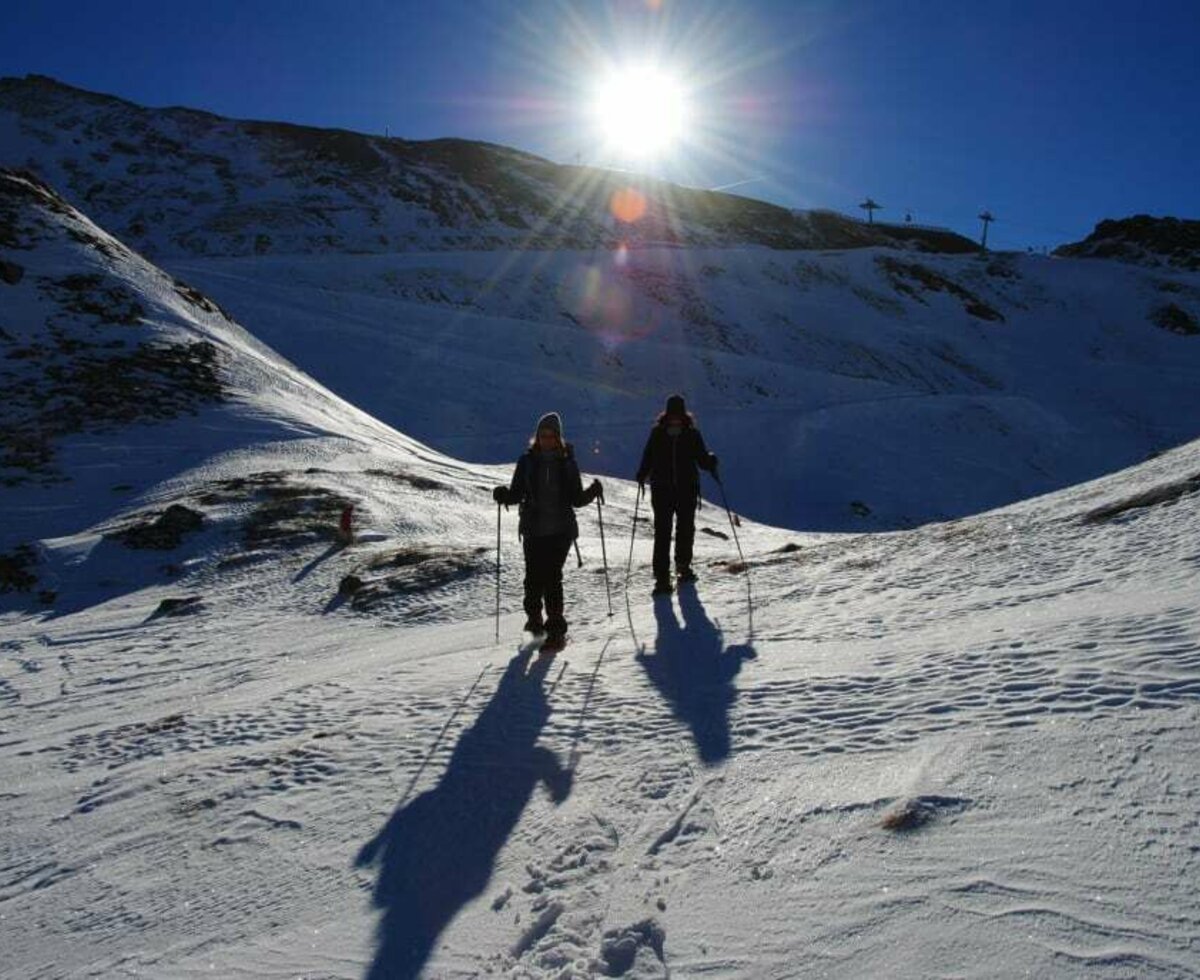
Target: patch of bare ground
913 279
413 569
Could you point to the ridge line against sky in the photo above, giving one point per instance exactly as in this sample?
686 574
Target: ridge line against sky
1052 115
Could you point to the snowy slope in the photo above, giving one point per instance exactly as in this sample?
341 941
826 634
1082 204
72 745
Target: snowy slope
866 389
967 750
263 789
130 393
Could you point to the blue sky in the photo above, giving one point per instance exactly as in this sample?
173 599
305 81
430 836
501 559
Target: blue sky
1051 114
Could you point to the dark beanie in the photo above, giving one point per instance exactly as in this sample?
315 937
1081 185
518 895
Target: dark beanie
675 405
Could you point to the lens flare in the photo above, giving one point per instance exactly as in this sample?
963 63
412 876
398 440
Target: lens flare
606 303
628 205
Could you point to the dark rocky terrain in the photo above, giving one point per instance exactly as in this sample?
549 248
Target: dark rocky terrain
1142 239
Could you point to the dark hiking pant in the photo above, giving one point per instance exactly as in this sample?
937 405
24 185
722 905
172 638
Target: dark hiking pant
678 508
544 559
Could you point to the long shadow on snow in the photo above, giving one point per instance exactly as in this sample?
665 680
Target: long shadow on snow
437 853
694 671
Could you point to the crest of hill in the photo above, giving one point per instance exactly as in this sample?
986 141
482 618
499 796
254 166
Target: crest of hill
79 355
178 182
141 421
1142 239
95 339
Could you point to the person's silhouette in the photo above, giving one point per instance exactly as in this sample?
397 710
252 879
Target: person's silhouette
437 853
694 671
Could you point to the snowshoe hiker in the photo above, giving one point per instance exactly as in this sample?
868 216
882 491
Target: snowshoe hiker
674 455
547 485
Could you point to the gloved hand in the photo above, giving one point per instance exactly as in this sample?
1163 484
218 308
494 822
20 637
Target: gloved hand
500 495
597 491
713 458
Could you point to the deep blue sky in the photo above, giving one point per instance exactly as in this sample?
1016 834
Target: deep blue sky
1051 114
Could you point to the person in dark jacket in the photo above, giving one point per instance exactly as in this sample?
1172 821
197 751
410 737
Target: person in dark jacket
674 455
547 485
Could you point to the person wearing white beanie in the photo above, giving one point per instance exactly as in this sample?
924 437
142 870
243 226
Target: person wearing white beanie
547 485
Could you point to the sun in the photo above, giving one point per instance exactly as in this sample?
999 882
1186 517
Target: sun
640 111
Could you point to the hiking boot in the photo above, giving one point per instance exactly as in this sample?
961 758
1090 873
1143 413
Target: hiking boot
554 642
663 587
685 574
534 624
556 622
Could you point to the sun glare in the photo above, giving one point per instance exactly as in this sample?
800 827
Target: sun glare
640 112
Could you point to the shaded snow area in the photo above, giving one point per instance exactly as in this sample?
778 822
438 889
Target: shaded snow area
859 390
233 744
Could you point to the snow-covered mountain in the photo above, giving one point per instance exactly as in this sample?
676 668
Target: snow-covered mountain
231 746
869 387
858 389
180 182
886 387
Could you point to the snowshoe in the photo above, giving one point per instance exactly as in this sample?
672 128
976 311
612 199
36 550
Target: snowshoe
535 625
685 575
662 588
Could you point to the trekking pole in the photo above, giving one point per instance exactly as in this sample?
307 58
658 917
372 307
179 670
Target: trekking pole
629 567
729 514
497 573
741 554
604 555
637 502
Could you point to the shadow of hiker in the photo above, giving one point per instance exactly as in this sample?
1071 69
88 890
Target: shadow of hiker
694 671
437 853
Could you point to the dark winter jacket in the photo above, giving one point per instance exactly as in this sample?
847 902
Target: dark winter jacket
548 487
673 462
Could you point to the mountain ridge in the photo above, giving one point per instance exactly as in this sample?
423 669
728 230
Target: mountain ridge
255 187
1141 239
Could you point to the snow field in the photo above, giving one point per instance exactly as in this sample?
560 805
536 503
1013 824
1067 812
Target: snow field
967 749
1042 717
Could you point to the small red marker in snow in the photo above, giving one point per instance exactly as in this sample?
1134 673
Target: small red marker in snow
345 531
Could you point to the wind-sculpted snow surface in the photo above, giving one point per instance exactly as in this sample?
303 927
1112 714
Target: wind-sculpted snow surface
966 749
